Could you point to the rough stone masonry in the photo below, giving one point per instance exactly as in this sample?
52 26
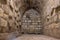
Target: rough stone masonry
30 16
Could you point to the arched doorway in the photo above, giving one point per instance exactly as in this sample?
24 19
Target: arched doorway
31 22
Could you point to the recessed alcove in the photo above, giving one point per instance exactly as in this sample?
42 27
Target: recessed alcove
31 22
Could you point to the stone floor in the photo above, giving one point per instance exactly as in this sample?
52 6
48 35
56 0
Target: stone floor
35 37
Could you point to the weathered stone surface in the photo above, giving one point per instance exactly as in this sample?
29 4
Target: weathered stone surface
9 36
12 12
9 17
51 24
3 36
35 37
52 30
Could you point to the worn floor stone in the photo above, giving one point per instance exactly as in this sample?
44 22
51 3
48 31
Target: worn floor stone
35 37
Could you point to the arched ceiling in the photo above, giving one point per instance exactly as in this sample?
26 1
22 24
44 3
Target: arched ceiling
32 4
24 5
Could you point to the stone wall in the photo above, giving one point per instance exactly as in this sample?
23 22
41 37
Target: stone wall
12 12
51 26
31 22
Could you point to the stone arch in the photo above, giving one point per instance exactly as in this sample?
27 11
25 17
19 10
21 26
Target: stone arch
29 9
31 22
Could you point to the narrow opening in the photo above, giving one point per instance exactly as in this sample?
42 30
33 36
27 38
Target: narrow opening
47 20
11 7
52 11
